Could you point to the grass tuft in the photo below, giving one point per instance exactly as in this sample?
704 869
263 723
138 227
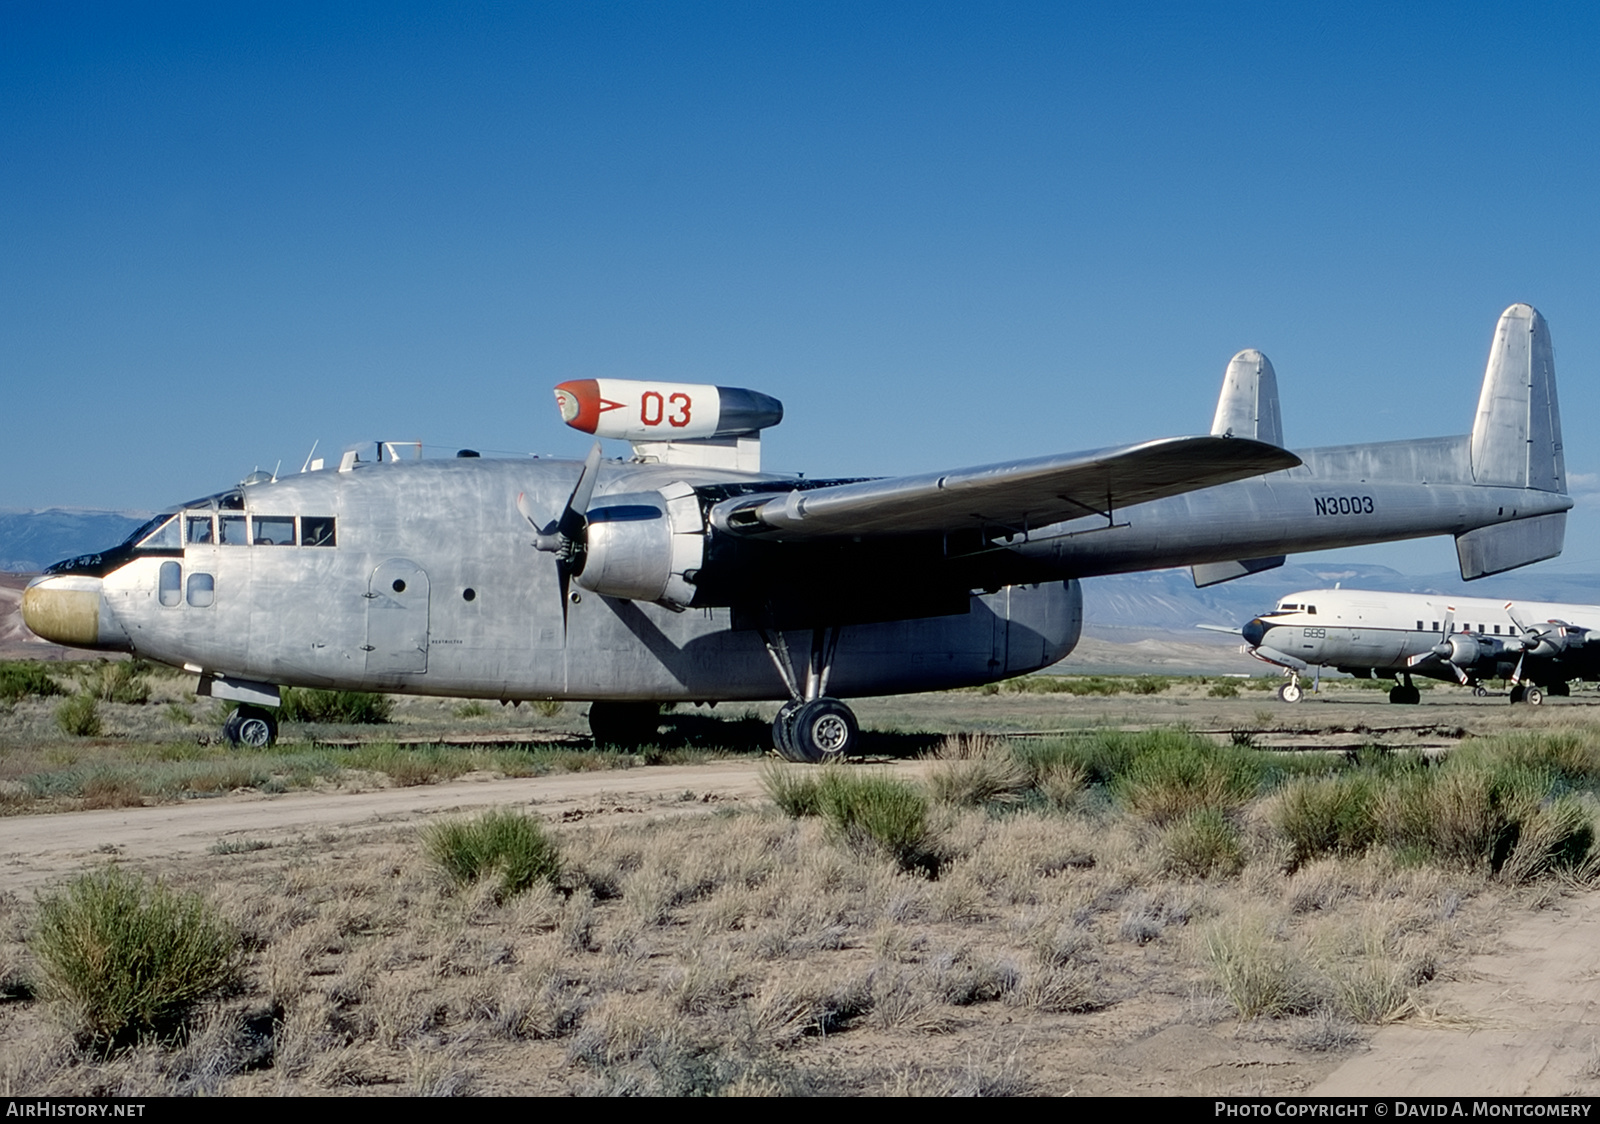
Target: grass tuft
80 716
124 957
20 680
512 844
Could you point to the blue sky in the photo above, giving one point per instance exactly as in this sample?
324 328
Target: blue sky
941 234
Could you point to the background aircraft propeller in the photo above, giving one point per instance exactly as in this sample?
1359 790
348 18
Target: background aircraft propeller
1452 651
567 535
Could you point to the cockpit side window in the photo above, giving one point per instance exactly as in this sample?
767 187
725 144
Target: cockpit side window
316 530
168 536
233 531
200 531
273 530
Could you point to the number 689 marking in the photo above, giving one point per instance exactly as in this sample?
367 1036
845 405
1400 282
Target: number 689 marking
652 409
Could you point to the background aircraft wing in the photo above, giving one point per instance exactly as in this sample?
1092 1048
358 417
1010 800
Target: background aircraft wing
1015 495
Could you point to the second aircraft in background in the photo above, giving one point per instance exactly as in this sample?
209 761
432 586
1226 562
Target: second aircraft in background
1538 647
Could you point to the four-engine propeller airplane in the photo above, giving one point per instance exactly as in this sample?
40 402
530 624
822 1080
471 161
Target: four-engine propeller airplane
1538 647
686 573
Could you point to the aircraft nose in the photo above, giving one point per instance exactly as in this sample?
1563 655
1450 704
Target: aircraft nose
1254 632
64 610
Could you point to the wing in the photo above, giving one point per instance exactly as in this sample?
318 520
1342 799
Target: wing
1016 495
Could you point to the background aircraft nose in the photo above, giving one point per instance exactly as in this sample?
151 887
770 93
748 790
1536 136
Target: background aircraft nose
1254 632
64 610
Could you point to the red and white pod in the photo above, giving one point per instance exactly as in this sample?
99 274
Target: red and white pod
633 410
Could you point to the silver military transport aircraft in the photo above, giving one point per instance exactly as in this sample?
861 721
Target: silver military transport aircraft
686 573
1538 647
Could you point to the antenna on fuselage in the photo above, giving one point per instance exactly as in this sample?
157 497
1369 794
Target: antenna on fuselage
305 467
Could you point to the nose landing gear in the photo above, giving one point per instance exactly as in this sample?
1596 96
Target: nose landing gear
251 727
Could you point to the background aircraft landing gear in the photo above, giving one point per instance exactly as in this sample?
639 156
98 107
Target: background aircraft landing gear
1530 694
251 727
1290 692
624 725
1481 691
1405 694
822 730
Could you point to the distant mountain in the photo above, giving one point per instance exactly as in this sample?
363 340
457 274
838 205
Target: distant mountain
32 540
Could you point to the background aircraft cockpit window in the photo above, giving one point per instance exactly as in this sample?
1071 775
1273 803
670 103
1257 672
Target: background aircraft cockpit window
273 530
233 533
316 530
200 530
231 501
168 536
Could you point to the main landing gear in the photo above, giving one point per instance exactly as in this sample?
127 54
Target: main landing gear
251 727
810 727
1530 694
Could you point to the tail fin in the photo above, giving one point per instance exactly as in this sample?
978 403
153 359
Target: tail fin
1516 439
1516 443
1248 406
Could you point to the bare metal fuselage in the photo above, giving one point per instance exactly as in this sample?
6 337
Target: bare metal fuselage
433 587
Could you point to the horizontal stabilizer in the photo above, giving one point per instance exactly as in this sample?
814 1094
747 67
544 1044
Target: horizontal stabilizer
1505 546
1215 573
1014 496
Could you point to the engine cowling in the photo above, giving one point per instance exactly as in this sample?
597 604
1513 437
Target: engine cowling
645 546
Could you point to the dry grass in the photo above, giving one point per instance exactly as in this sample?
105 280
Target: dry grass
750 952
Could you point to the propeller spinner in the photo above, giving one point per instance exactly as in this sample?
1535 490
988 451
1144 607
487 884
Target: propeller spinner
567 535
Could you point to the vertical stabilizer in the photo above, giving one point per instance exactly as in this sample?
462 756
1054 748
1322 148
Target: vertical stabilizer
1516 439
1249 403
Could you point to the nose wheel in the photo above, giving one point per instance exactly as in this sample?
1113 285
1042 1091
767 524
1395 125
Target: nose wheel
251 727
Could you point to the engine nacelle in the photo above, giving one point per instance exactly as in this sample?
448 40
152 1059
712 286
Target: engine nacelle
632 410
645 546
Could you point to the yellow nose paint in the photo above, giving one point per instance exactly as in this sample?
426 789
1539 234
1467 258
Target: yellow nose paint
63 616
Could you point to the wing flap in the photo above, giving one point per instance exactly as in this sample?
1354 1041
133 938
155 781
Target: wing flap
1016 495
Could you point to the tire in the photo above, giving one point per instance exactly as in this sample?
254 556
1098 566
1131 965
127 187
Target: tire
823 730
251 727
1533 696
1559 690
1291 693
1481 691
1402 695
624 725
783 731
1516 693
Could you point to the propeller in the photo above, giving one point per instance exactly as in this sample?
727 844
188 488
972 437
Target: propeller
567 535
1453 650
1546 640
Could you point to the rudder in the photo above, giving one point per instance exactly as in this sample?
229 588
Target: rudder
1248 405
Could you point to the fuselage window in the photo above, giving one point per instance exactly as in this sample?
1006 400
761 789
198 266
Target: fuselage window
200 530
1419 626
1436 626
202 590
171 583
273 530
1312 609
316 530
1497 630
233 533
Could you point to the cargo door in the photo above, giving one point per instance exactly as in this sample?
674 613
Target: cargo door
397 618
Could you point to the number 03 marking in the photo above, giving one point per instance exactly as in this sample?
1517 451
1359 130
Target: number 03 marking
652 409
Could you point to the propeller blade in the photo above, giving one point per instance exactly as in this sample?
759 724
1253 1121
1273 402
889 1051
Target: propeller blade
566 536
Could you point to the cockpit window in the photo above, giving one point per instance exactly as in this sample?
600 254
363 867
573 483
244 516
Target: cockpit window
273 530
200 533
233 533
164 532
316 530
